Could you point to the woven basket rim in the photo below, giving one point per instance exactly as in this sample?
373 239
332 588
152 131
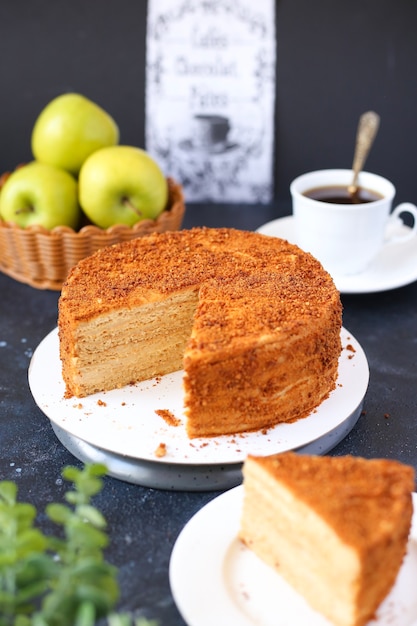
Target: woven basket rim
176 197
42 258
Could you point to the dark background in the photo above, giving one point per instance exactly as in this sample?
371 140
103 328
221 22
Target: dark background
335 59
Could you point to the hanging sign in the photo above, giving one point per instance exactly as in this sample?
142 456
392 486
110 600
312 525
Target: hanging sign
210 96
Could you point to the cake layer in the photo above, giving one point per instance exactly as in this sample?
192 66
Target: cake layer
134 344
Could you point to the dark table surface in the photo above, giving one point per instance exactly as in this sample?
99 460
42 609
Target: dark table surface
144 523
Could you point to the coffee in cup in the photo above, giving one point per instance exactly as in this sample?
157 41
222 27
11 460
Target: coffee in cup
346 236
340 194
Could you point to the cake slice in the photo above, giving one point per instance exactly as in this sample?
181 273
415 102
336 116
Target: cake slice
336 528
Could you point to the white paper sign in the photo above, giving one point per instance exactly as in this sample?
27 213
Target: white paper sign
210 96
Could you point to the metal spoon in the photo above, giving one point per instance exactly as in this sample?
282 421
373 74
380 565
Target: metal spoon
366 133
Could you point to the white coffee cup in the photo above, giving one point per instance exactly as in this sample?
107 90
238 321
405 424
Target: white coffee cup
346 238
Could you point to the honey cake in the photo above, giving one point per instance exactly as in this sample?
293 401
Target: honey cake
253 321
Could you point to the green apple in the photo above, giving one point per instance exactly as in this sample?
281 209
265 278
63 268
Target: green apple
37 193
121 185
69 129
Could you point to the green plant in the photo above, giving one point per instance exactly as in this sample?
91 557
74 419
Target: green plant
60 580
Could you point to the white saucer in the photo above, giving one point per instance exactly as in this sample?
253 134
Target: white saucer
221 148
215 579
394 267
124 421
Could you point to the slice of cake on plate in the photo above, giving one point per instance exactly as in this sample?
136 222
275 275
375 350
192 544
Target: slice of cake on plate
336 528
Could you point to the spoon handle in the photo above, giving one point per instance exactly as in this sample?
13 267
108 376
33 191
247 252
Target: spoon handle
367 130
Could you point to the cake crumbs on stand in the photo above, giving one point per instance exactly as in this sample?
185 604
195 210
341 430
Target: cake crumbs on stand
161 450
168 417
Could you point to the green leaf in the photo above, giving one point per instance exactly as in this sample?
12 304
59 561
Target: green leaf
85 537
36 567
97 469
92 515
100 598
87 480
58 513
125 619
29 541
15 516
38 620
71 473
23 620
86 615
122 619
8 491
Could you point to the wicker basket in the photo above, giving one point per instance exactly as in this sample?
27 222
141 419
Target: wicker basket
43 258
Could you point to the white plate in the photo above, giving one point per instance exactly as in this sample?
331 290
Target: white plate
124 421
215 579
395 266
